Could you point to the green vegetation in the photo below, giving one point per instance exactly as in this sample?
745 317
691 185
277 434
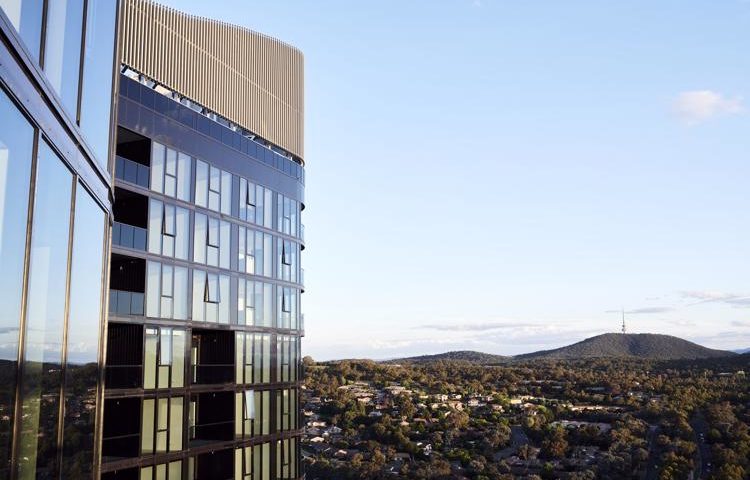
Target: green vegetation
599 418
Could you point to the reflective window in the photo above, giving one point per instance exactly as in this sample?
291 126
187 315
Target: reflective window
211 241
253 463
252 414
98 70
164 360
213 188
287 358
288 215
40 383
26 16
286 408
84 320
62 50
16 144
211 297
170 172
255 253
287 302
286 459
287 261
166 291
168 229
253 362
164 471
161 428
254 303
255 204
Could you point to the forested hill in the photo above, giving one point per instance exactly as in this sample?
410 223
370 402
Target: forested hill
463 355
641 345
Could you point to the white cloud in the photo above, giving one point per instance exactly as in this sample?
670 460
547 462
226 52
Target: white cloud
698 106
732 299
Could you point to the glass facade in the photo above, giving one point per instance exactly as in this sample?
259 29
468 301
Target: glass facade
77 59
222 280
54 218
16 150
85 311
205 276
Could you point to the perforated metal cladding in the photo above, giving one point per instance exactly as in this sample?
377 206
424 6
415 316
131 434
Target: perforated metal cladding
251 79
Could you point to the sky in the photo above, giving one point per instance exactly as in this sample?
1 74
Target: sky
507 176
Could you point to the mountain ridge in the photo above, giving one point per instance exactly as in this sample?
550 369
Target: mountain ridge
609 345
634 345
455 355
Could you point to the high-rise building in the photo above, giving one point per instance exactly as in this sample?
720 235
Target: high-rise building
193 370
203 334
57 65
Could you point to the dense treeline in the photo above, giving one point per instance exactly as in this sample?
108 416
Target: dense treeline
655 413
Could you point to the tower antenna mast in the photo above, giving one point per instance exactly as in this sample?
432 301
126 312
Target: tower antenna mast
624 330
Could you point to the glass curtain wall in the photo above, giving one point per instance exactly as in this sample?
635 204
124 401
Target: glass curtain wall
16 150
77 58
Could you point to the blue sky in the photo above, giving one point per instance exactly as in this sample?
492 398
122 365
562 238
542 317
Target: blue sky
499 176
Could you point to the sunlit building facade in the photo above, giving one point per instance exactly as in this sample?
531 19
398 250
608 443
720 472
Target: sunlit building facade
204 319
57 65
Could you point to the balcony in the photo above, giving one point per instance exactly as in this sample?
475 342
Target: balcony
126 303
212 357
129 236
127 285
132 172
133 158
131 220
124 366
211 418
217 465
122 429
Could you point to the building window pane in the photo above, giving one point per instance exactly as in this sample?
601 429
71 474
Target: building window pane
81 373
157 167
16 143
184 165
26 17
40 384
98 69
62 50
201 184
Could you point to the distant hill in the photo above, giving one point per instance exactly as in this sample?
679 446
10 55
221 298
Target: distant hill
463 355
742 350
641 345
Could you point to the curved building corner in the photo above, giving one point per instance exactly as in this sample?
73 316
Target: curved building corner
203 367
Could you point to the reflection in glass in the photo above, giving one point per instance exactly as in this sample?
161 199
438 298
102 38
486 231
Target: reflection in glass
16 142
26 16
98 66
40 382
62 50
84 316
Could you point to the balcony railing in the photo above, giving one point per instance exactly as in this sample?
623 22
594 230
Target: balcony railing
125 303
129 236
123 376
213 374
132 172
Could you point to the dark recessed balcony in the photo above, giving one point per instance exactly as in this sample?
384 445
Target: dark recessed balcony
124 367
212 357
127 285
133 158
215 465
122 429
131 220
211 418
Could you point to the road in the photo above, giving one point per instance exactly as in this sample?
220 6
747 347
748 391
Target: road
652 467
703 456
